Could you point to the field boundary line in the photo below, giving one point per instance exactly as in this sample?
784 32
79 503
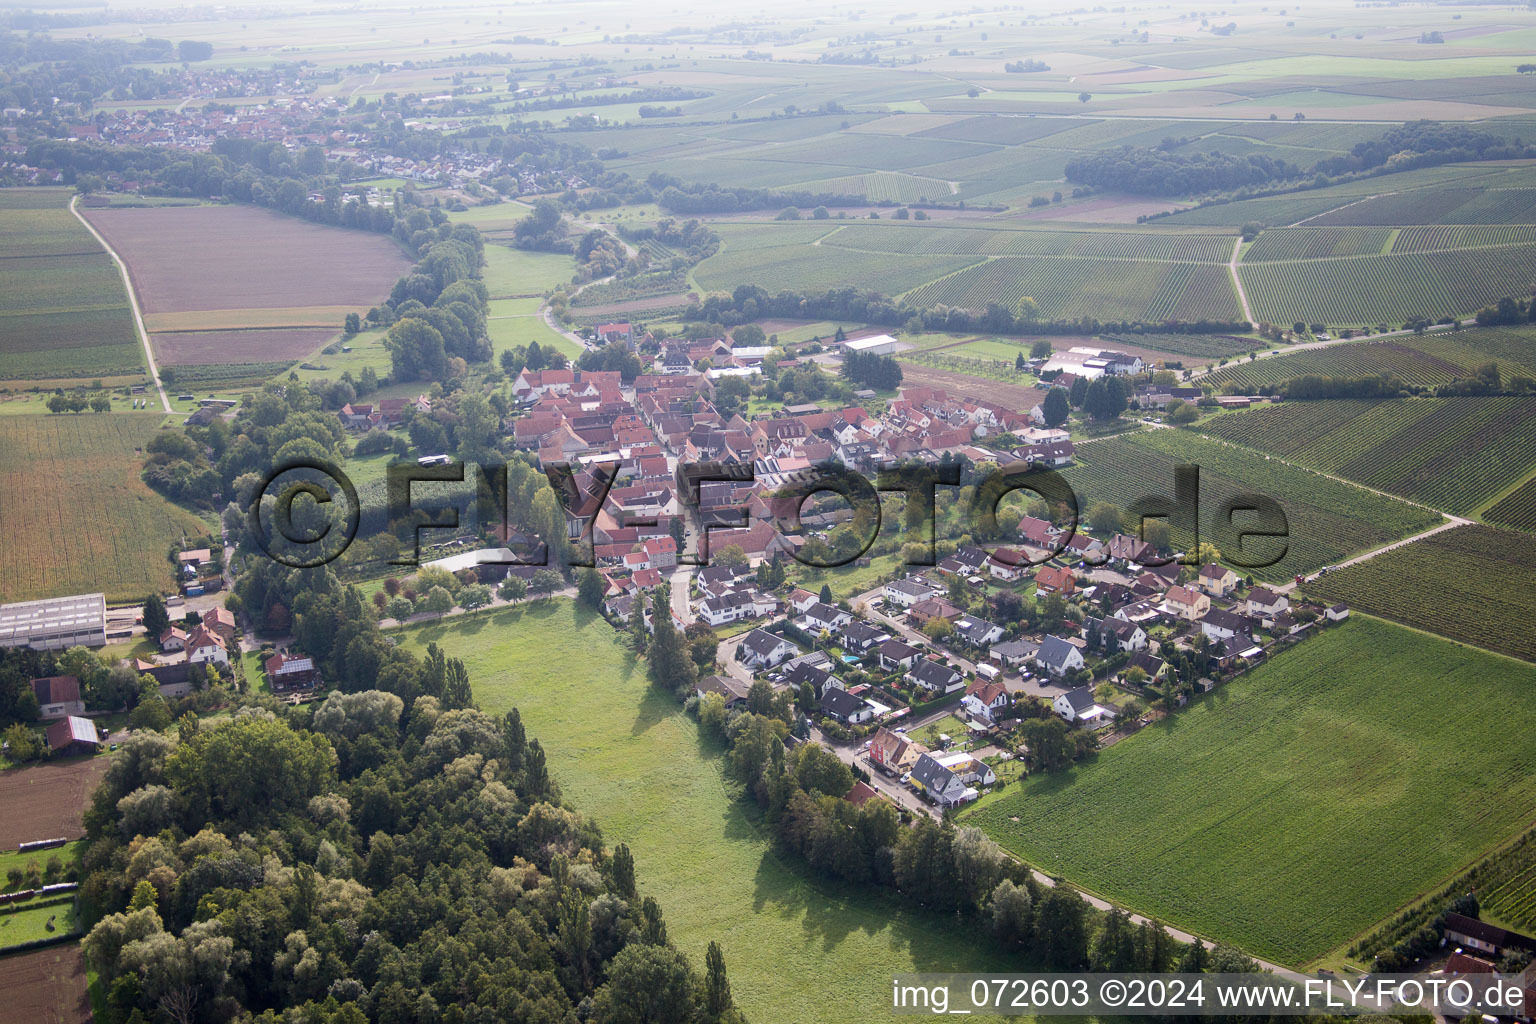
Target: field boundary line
133 302
1336 209
1237 281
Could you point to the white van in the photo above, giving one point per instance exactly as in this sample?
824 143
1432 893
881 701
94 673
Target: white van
988 672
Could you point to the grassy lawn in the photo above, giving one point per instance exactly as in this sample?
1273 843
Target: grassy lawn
629 757
848 580
67 854
1260 814
31 924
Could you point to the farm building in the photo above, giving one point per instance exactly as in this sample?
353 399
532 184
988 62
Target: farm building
879 345
73 735
57 696
55 623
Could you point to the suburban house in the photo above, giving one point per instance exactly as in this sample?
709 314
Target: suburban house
977 632
859 637
1130 550
1266 603
1128 636
1186 603
972 771
893 751
824 616
932 608
1052 580
173 639
1220 624
58 697
732 607
73 735
289 672
800 600
934 676
982 699
1217 580
906 593
760 649
895 654
1058 657
1078 707
204 645
1015 652
845 707
1008 565
1151 664
941 785
733 690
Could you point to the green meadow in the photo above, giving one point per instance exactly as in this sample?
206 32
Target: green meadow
798 950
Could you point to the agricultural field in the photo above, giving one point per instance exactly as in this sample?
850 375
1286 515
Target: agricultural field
1453 453
66 313
1440 206
815 268
1367 290
515 273
201 269
1110 289
1316 243
1199 347
1510 895
629 756
1424 360
58 476
1288 787
1328 519
1479 577
47 801
46 986
1516 509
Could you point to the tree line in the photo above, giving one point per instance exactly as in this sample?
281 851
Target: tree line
749 302
388 855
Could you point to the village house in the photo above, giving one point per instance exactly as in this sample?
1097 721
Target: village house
289 672
969 769
173 639
1015 652
1150 664
204 646
728 608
